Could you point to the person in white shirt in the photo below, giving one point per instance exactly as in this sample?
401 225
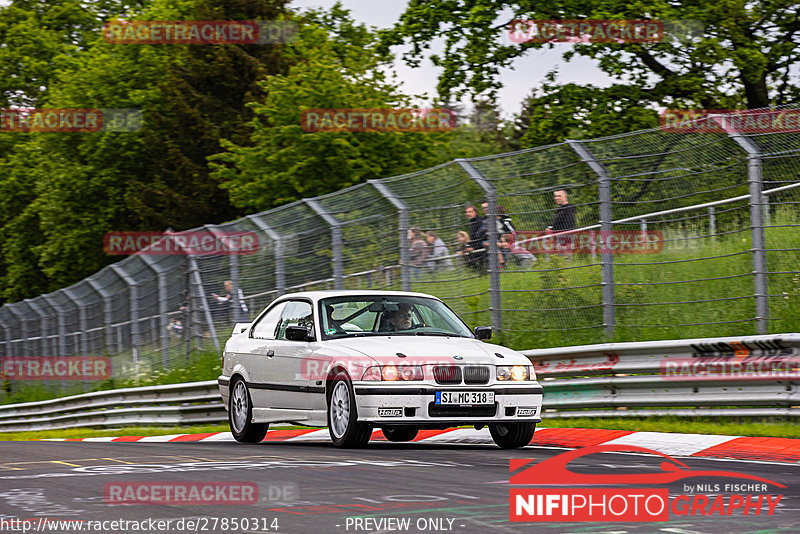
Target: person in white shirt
229 298
438 253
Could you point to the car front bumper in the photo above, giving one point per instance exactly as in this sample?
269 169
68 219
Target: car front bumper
404 404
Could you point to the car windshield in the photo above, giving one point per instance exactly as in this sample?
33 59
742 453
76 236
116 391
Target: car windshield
378 315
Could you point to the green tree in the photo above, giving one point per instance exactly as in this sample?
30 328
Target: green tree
742 57
336 67
553 113
82 185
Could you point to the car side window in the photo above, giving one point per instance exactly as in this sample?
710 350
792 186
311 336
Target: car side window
296 313
267 326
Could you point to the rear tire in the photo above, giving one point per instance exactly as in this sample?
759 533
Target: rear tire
400 433
240 415
512 435
343 425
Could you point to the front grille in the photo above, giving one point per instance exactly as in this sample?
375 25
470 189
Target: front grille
476 375
447 410
447 374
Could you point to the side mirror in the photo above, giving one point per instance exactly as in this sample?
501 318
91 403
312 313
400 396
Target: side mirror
483 332
298 333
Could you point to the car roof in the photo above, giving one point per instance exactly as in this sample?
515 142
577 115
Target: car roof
318 295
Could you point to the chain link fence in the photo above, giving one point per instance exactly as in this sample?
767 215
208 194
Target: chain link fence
721 210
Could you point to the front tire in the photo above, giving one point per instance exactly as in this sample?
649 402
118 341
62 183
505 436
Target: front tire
343 425
512 435
240 415
400 433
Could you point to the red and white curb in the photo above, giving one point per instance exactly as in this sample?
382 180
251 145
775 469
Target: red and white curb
697 445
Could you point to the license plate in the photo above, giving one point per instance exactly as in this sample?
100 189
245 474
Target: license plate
465 397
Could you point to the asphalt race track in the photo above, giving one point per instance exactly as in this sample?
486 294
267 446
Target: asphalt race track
314 487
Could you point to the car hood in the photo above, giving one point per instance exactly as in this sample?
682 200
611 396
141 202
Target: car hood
425 350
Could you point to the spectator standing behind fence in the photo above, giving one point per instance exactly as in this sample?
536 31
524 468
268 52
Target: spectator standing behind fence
418 251
564 218
224 306
477 238
437 252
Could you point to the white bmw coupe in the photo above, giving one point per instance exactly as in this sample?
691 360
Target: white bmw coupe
356 360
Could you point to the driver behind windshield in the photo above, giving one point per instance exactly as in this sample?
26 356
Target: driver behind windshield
398 320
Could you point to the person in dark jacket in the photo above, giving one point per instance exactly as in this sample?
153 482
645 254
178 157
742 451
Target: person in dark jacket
564 218
477 237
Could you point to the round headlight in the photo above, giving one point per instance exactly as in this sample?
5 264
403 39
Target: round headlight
503 373
390 373
519 372
410 372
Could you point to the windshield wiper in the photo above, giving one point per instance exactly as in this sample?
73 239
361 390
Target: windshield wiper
443 334
355 334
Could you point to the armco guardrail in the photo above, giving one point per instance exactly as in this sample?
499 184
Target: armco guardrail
736 376
174 404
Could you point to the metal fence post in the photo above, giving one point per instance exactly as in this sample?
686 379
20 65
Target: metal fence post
7 333
108 318
194 271
161 274
495 304
43 326
280 273
606 258
755 183
712 221
133 285
336 240
23 329
403 226
61 322
234 273
83 322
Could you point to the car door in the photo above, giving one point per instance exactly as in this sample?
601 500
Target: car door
294 387
257 355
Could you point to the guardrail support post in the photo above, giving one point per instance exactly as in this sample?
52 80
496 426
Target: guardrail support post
403 226
606 258
755 182
336 240
495 303
280 273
